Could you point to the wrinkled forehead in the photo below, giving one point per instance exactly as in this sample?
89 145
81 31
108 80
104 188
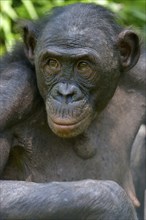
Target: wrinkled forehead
72 36
84 26
74 41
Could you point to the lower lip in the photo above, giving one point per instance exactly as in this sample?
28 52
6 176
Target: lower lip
64 126
64 130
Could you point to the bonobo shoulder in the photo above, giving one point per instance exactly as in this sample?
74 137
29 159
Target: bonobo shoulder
15 55
19 94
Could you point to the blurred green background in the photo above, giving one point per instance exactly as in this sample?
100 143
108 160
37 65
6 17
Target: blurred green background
132 12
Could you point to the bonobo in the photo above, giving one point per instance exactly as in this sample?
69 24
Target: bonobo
66 145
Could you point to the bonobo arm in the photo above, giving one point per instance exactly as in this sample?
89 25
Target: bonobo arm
17 100
18 97
81 200
5 146
17 94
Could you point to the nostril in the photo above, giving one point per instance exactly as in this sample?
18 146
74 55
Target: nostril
65 97
67 93
59 93
69 98
66 90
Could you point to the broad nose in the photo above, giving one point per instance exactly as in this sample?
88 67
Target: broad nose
67 93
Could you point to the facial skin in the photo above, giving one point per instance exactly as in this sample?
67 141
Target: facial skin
72 84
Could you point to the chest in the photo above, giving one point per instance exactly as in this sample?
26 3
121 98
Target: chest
39 155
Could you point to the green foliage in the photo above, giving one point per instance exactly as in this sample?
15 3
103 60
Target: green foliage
132 12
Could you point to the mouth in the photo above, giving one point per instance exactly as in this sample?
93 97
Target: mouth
64 124
65 128
70 121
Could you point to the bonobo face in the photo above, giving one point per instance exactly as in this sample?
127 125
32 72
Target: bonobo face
74 87
79 52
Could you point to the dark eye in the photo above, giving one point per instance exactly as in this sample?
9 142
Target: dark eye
84 68
52 65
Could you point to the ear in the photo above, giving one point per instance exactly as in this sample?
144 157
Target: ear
29 37
128 44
